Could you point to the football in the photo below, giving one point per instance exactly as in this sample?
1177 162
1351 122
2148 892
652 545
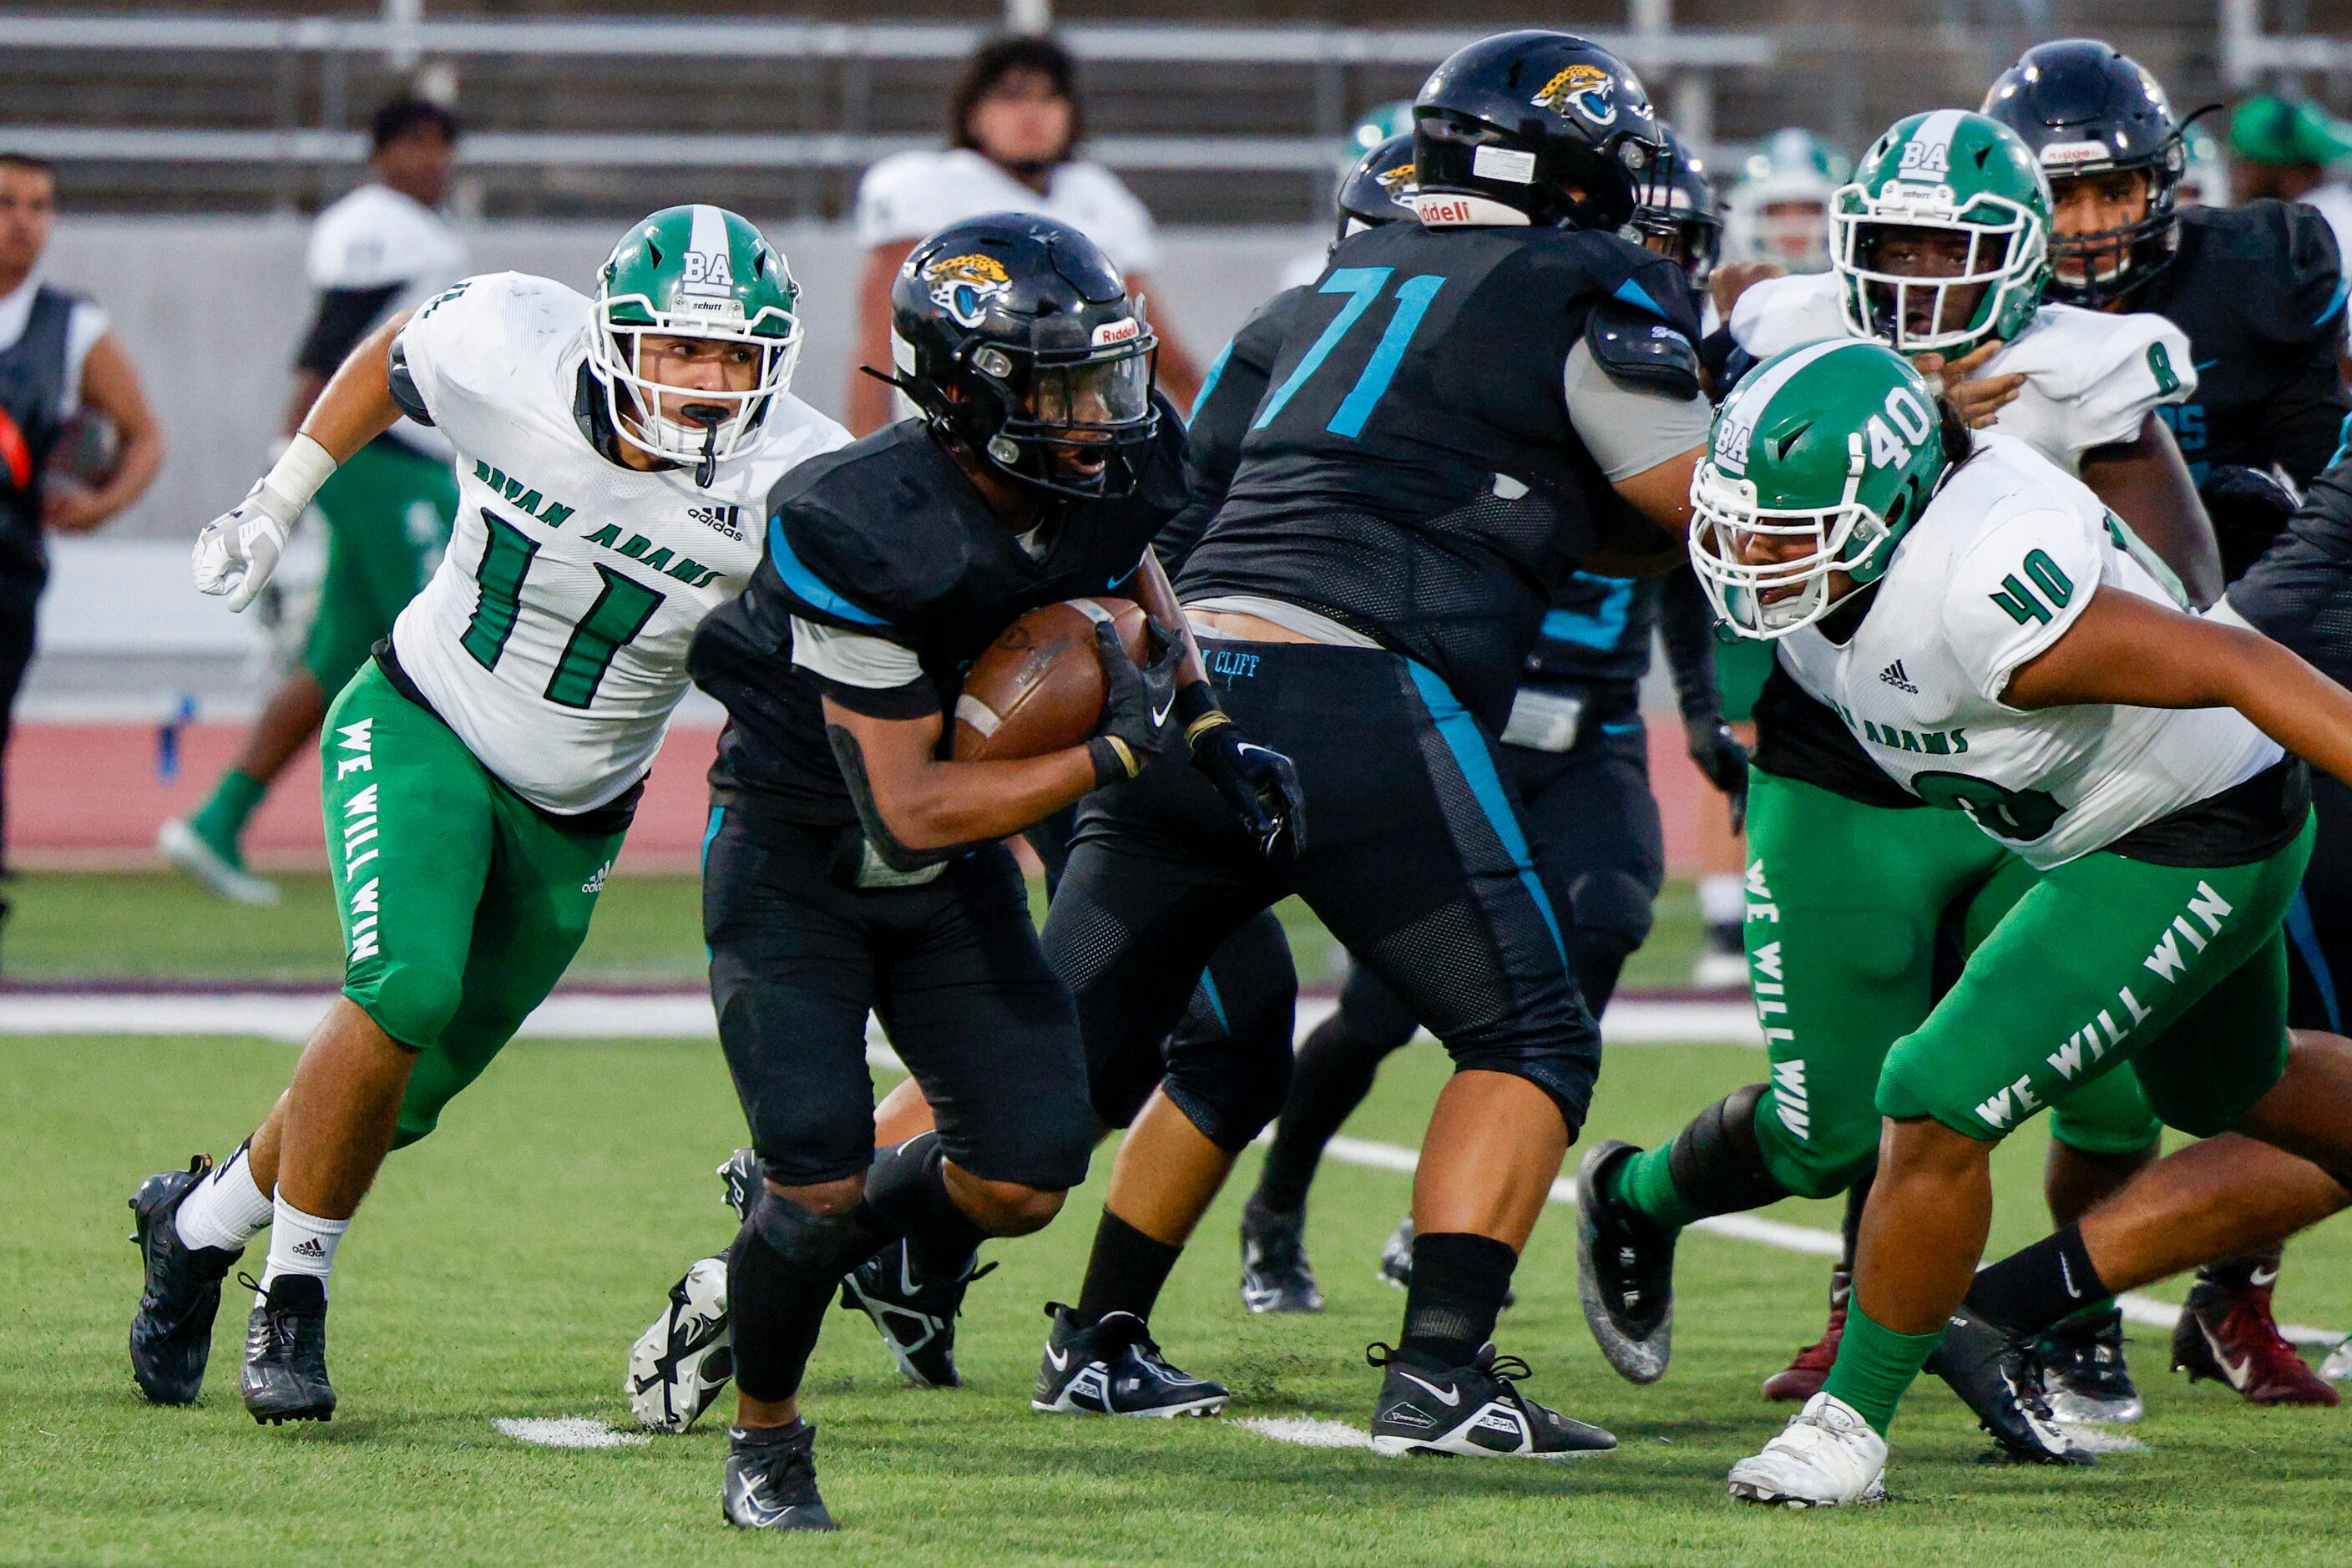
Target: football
1039 686
88 450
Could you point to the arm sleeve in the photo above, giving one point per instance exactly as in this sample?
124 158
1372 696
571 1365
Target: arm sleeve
343 317
2016 592
1628 430
1686 626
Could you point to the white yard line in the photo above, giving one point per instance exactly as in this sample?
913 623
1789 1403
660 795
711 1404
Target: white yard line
289 1017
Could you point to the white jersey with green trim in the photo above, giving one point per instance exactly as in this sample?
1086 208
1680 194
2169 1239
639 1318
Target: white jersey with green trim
2091 379
1995 571
554 639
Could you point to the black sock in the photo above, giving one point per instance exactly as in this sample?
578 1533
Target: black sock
1332 1074
774 1310
1459 1281
907 1195
1125 1272
2049 1281
2238 1274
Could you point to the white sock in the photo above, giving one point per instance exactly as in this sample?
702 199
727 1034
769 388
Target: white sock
302 1244
1722 898
227 1210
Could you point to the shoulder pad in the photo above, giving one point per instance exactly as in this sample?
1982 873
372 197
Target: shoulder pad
2283 268
403 384
866 536
1640 351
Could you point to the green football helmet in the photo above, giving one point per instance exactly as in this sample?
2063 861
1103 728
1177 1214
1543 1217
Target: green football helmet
694 271
1949 172
1820 462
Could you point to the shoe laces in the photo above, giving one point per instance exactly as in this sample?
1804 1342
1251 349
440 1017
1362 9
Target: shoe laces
280 1324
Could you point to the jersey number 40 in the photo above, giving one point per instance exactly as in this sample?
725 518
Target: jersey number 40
619 613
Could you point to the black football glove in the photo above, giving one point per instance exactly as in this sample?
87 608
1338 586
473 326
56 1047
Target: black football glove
1256 780
1723 761
2249 507
1140 725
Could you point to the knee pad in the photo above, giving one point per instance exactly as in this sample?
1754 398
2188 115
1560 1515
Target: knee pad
1716 1162
1613 906
812 1245
412 1002
1231 1088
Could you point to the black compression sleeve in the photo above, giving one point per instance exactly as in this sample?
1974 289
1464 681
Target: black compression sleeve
344 317
1687 626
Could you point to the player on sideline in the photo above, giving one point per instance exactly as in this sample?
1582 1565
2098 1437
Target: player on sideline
1849 876
481 772
382 250
1577 759
2056 695
2259 289
1433 456
852 869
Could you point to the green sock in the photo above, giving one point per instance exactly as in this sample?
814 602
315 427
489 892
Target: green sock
1875 1365
1643 1183
221 819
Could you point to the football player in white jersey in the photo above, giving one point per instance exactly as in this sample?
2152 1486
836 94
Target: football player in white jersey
614 456
1013 125
381 249
1941 250
2050 684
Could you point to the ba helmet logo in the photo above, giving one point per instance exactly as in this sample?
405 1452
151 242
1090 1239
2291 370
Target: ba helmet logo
708 272
966 286
1587 88
1730 454
1925 158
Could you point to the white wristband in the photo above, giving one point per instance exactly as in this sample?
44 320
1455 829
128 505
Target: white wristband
302 469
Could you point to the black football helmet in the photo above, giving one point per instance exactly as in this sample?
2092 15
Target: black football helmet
1546 124
1017 340
1378 190
1679 217
2083 108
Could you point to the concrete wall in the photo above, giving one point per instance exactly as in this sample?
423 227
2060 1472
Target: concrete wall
212 308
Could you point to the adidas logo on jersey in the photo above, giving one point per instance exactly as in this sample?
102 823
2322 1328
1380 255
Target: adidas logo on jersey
722 518
1893 675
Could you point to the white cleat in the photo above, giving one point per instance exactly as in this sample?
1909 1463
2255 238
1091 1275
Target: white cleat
2337 1367
682 1364
1827 1457
180 845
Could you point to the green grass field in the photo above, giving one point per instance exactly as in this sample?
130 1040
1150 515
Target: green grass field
503 1268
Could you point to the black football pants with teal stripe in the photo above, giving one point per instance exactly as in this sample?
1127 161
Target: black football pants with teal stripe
1416 859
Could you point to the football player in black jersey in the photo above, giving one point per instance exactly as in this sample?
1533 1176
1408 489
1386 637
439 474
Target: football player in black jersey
2259 289
1462 411
1575 756
850 868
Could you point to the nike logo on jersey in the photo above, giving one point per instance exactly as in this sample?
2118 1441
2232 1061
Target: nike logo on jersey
1895 677
1449 1398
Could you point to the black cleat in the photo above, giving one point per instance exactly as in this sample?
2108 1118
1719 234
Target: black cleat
2083 1371
769 1481
1624 1272
1476 1409
1276 1275
1998 1377
1115 1368
285 1376
741 1176
171 1332
914 1312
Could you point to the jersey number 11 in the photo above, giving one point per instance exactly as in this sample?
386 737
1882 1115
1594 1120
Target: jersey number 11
619 613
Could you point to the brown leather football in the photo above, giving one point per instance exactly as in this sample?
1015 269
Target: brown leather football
1039 687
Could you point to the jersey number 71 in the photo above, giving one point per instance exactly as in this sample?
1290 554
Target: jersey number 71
1363 285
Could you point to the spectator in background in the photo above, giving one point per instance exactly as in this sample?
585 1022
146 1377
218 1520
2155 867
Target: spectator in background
1013 123
2282 147
383 248
58 360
